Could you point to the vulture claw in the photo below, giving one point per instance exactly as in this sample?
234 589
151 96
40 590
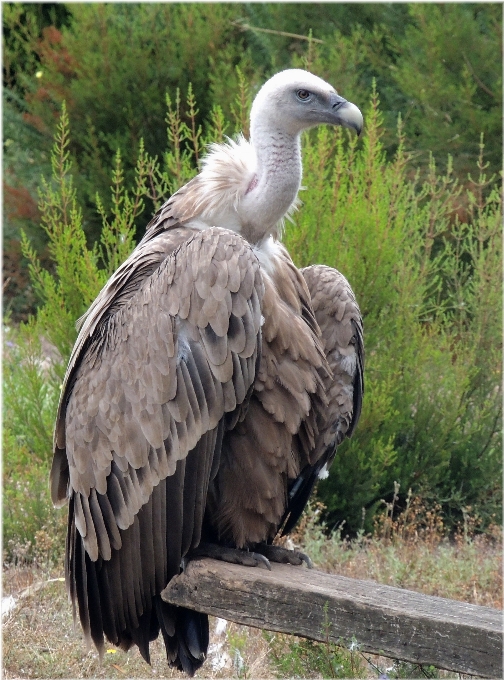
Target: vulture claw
276 553
260 559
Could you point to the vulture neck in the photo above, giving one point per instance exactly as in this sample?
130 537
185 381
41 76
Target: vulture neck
273 190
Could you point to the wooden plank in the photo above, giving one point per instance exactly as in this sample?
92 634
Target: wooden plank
393 622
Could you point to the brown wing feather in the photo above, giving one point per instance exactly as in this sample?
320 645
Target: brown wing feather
180 207
146 393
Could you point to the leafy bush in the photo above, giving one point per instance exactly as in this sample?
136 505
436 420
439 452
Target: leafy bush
114 64
23 159
437 65
36 354
293 657
451 80
426 282
428 289
30 394
432 64
296 658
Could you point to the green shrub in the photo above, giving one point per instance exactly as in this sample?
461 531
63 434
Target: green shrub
38 351
30 398
114 64
426 283
438 65
23 161
26 147
429 291
293 657
451 80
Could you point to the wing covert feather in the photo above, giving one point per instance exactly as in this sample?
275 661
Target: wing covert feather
276 437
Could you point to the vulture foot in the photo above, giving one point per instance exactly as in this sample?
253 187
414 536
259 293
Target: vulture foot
233 555
275 553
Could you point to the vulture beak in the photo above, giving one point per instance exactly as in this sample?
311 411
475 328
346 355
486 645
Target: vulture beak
346 113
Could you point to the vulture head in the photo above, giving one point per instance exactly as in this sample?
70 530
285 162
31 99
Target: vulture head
251 186
295 100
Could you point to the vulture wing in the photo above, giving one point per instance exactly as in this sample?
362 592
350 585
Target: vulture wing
338 315
169 348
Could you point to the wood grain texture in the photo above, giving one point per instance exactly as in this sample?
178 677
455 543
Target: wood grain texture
396 623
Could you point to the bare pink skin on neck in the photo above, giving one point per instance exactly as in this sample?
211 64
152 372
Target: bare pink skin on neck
252 185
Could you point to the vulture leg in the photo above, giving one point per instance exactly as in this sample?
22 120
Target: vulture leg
263 554
232 555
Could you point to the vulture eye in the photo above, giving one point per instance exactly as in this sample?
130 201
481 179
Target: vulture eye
303 95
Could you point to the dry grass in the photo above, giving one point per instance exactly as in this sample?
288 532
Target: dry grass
40 641
412 551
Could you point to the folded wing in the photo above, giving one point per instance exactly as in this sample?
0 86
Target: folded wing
338 315
161 359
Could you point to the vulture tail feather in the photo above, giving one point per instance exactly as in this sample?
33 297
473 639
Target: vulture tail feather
192 638
108 615
193 635
185 634
141 636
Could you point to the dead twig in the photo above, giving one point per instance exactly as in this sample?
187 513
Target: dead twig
246 27
480 82
27 592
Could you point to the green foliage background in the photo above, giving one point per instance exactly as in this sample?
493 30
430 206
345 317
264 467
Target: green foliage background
439 65
419 242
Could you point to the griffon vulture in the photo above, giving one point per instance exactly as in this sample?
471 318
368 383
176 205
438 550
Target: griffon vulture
209 385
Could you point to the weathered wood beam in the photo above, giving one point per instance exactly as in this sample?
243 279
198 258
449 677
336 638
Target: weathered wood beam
393 622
